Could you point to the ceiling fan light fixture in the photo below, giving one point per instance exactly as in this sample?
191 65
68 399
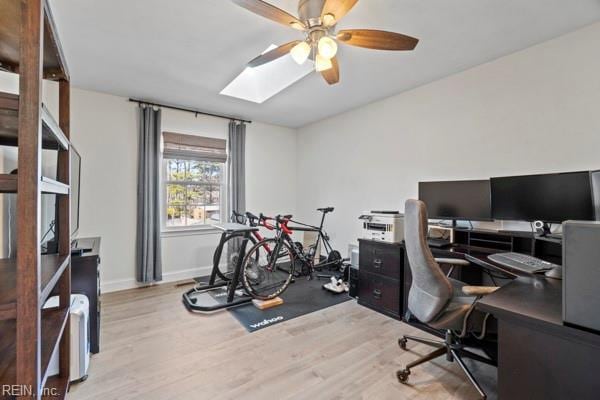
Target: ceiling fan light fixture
329 19
300 52
327 47
297 25
322 63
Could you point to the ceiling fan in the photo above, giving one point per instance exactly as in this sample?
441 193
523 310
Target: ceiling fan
318 20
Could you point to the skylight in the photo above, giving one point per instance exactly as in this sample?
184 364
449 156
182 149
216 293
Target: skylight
261 83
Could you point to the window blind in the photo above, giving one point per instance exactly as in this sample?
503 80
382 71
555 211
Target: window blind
190 147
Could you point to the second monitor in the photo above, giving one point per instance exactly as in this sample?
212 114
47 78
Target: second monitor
457 200
551 198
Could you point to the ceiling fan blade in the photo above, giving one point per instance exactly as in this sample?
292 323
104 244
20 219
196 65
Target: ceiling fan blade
332 75
273 54
379 40
271 12
338 8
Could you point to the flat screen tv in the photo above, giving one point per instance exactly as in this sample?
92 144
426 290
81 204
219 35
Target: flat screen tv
457 200
75 189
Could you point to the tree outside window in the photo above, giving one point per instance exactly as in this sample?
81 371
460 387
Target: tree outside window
194 191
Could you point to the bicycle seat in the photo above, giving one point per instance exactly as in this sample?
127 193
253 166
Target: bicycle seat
326 209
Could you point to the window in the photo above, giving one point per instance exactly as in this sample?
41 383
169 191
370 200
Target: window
193 180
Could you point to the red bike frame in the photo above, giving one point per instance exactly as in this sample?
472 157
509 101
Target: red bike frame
253 220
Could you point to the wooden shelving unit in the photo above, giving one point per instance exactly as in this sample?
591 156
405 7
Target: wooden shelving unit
30 334
53 322
53 137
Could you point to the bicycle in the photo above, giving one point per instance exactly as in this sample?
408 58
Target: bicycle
267 274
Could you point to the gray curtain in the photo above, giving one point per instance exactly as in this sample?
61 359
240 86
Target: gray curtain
236 180
148 252
236 167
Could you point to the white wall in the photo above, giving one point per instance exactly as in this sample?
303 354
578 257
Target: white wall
104 131
531 112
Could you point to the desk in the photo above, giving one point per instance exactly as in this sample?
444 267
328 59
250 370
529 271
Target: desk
539 357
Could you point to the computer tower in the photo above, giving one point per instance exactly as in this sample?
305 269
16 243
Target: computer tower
581 274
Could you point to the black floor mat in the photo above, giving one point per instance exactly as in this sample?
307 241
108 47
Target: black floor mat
301 297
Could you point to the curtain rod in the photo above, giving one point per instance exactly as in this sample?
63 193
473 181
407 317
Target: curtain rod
196 112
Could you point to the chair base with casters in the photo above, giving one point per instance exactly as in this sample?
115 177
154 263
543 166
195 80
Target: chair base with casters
453 346
454 350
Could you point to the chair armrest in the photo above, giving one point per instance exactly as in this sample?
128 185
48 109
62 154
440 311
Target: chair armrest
453 261
479 290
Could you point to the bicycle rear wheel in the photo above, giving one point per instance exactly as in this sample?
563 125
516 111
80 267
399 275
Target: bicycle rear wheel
266 273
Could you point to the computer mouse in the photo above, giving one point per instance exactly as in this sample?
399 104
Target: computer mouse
555 273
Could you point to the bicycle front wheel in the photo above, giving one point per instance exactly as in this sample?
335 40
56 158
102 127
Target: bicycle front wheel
267 269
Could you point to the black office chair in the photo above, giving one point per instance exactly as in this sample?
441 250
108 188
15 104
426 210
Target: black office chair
439 301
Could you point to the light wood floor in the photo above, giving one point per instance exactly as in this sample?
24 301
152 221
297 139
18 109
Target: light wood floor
153 349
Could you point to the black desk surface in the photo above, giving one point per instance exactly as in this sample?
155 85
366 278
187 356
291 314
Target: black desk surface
533 297
536 298
530 299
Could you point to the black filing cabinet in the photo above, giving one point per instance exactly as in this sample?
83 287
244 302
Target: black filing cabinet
380 273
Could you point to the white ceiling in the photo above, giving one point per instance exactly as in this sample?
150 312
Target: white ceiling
184 52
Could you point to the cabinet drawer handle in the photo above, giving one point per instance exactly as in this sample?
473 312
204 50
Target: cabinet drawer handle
377 293
377 263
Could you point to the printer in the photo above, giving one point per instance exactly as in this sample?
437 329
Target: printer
384 226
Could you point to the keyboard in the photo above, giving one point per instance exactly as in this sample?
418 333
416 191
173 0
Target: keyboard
522 262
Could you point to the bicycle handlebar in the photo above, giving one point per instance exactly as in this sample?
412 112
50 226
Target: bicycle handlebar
265 218
237 217
283 218
262 221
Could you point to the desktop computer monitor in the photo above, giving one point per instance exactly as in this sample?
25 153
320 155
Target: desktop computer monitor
457 200
551 198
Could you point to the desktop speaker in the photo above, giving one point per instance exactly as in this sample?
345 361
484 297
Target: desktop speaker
581 274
